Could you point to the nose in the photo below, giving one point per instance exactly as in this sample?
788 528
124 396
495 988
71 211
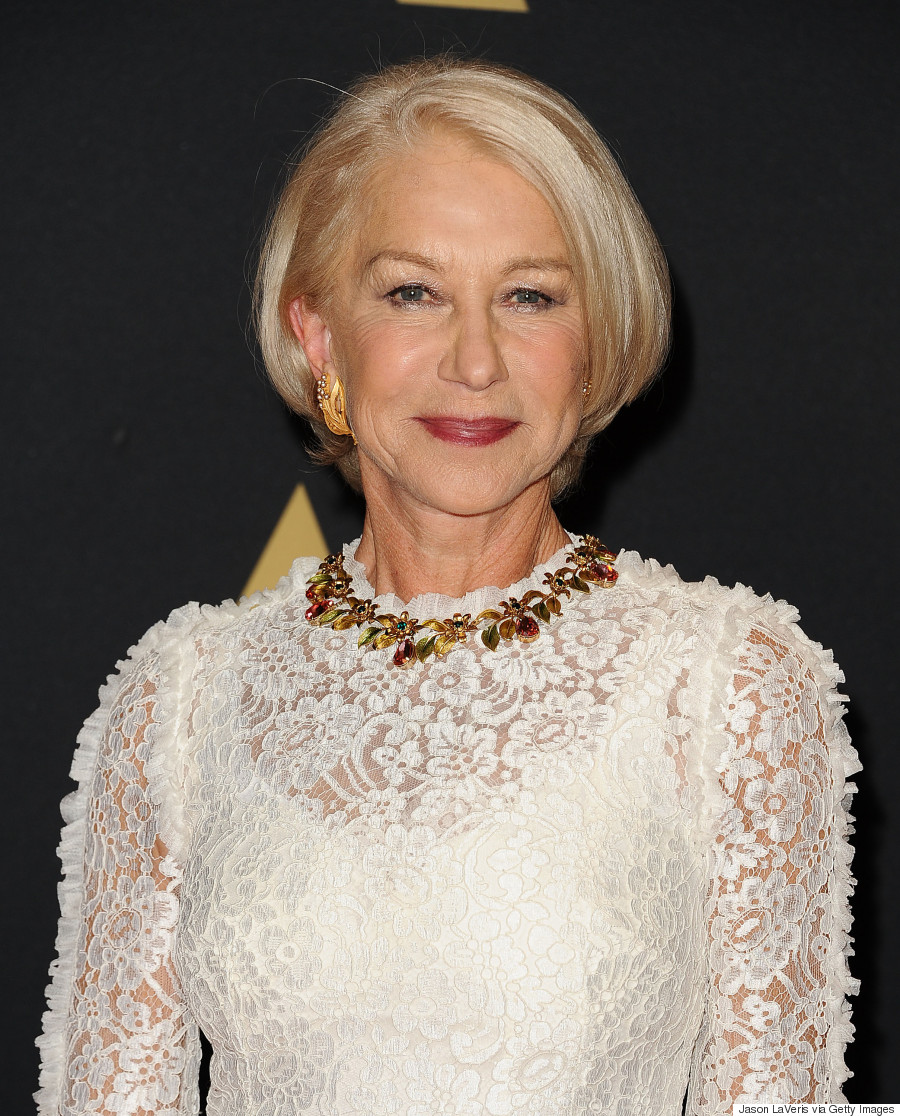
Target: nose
473 356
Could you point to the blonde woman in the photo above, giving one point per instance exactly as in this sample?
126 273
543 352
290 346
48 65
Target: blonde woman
476 816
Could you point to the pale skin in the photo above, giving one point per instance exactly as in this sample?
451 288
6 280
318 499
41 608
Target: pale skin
457 300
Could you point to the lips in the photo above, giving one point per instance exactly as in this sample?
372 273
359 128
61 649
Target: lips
469 431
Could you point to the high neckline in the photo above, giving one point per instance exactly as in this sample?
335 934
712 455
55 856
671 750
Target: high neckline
437 604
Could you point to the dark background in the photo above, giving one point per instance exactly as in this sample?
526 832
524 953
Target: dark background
145 461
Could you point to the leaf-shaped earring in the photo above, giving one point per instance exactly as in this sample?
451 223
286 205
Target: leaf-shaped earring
333 405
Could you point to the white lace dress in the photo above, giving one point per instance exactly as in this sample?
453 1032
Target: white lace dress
589 874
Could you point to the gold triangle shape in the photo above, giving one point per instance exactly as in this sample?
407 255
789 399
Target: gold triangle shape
480 5
296 533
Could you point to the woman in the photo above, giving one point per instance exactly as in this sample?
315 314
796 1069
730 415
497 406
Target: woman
401 841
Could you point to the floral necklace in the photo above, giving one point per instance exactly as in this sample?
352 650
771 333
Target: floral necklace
332 606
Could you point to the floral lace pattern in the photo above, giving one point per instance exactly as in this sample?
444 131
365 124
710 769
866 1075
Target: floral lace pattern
576 876
774 920
128 1041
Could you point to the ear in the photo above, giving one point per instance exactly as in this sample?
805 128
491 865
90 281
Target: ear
313 334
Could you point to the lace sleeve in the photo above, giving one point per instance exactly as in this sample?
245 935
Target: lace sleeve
117 1038
777 1021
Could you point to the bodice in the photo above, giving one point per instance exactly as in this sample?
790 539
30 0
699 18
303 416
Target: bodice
556 878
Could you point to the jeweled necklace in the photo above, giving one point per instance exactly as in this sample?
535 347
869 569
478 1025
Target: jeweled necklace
332 606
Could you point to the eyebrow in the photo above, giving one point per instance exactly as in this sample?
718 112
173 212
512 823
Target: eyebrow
520 263
399 257
537 263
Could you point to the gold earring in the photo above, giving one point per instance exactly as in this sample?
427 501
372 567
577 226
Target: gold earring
333 406
586 387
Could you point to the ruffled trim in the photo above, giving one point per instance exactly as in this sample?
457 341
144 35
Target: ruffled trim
166 764
780 616
736 611
436 604
844 763
162 642
52 1041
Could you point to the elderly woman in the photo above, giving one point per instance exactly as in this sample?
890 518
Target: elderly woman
475 816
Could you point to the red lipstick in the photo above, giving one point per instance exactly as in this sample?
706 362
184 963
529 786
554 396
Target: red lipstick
469 432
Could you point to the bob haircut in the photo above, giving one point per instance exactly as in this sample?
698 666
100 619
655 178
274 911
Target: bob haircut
619 267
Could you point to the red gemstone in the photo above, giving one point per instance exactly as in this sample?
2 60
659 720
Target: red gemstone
527 629
312 593
405 653
316 610
604 572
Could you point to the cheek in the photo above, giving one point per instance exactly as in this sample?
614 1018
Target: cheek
557 344
552 366
568 347
379 360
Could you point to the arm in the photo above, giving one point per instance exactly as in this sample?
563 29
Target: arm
117 1038
777 1021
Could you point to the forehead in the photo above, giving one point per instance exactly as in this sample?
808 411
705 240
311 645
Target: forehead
446 194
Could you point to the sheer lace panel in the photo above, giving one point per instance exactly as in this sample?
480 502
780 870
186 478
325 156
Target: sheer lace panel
127 1043
772 912
472 888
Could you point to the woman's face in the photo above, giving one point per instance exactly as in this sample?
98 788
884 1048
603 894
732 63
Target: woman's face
456 329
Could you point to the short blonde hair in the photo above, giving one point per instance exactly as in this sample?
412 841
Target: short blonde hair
620 269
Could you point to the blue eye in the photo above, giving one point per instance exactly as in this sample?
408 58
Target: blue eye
409 292
527 296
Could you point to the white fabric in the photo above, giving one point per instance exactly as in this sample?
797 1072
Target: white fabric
584 875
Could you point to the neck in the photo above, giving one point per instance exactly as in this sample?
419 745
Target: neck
409 552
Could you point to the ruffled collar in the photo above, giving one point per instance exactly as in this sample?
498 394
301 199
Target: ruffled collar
439 606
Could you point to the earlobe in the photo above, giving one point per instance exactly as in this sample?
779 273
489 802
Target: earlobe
313 334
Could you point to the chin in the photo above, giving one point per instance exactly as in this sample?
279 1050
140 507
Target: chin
446 482
469 494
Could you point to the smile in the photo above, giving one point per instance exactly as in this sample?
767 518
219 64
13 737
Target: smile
469 432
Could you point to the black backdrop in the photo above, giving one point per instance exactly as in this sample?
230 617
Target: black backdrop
146 461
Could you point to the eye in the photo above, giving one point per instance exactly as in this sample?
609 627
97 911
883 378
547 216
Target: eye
409 292
528 296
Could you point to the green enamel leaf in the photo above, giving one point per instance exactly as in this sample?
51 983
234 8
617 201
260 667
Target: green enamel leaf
367 636
488 614
490 637
508 628
318 578
542 611
578 584
327 617
425 647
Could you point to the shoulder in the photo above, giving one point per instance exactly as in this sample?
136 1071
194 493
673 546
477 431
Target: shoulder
733 615
174 638
743 637
645 577
165 658
157 675
757 679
